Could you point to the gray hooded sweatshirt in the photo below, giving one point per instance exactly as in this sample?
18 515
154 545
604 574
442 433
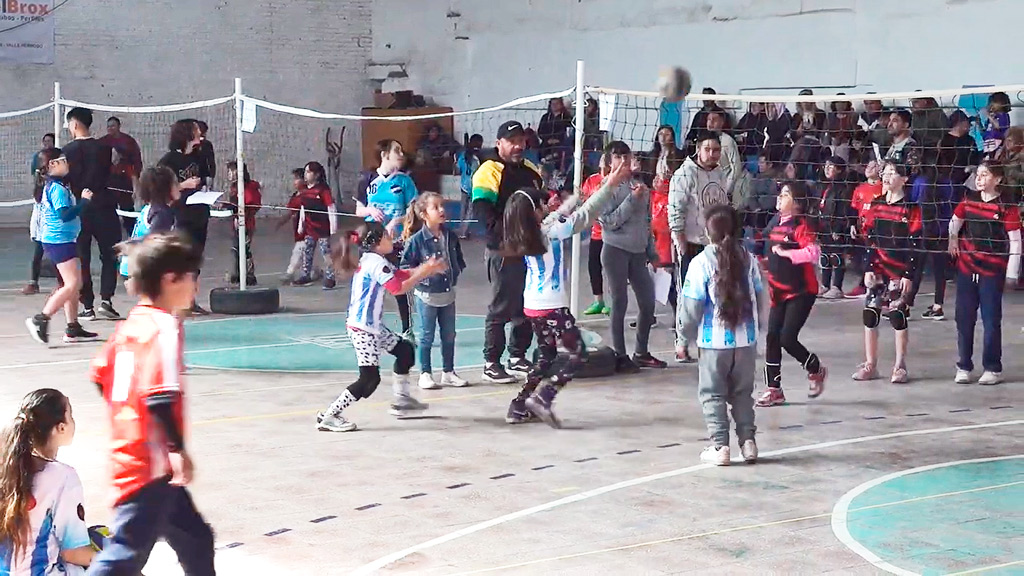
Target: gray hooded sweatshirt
691 191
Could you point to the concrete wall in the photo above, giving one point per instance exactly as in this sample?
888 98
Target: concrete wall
309 53
472 53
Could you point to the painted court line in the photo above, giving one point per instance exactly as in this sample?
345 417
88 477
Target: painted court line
725 531
841 511
396 556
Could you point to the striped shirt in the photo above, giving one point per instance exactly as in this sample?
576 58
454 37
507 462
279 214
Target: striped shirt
700 286
372 278
547 276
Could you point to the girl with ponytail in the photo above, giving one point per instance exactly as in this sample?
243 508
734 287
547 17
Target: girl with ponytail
722 301
42 520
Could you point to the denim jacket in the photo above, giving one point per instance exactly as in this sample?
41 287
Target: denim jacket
422 246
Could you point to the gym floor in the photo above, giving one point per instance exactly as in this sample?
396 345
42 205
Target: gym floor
925 478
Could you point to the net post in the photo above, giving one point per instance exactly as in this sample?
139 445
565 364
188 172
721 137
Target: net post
57 121
240 184
577 184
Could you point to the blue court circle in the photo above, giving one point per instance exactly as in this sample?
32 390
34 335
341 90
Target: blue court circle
309 343
958 517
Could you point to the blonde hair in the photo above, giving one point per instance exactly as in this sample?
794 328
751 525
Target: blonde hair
415 216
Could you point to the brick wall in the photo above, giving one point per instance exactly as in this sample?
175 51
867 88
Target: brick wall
306 53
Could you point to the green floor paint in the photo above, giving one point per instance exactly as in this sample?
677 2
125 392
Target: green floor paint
924 522
308 343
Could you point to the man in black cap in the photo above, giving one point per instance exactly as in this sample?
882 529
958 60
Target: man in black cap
502 171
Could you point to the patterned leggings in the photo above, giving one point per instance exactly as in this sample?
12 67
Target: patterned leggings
555 325
307 257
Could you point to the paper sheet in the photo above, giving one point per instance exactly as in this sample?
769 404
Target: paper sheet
248 116
205 197
662 284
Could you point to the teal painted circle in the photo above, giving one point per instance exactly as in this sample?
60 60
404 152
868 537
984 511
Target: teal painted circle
310 343
954 518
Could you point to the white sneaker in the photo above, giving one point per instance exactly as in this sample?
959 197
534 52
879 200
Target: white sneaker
833 293
989 378
452 379
717 455
749 451
334 424
962 377
427 381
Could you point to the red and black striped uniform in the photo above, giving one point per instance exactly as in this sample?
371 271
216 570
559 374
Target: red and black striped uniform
894 237
785 279
984 237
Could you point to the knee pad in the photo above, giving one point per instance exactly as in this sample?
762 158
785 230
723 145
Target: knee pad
369 379
824 261
898 318
405 356
872 316
835 260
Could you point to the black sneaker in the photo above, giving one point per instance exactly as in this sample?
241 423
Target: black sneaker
87 314
250 281
75 333
39 328
198 310
540 403
107 312
302 281
232 278
519 365
934 314
495 373
329 284
518 413
633 323
623 365
648 361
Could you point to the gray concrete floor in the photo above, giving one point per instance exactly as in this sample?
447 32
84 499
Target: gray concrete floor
286 499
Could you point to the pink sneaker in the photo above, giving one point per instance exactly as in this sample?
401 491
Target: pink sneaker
899 375
866 372
817 381
771 397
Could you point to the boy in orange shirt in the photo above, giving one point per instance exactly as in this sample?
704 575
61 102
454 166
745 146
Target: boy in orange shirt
139 374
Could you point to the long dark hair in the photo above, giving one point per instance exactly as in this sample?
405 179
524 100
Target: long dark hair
522 234
318 169
41 411
347 247
45 156
233 165
732 285
182 133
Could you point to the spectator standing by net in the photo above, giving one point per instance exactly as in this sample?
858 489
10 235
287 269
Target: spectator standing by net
695 187
33 227
253 196
89 165
467 163
125 171
553 132
206 155
928 120
904 148
834 217
181 159
502 172
996 122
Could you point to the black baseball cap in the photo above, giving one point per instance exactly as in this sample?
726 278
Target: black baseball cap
510 129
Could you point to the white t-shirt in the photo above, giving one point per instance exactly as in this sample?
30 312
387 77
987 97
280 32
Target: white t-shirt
57 522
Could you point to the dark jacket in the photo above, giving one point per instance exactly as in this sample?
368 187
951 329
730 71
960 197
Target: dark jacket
834 212
422 246
494 182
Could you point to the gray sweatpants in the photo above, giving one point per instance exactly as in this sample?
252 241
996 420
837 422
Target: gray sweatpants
727 377
622 267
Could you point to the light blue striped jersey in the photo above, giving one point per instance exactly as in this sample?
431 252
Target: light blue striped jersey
547 275
372 279
700 285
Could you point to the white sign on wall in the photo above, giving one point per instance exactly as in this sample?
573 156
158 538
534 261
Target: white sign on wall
27 31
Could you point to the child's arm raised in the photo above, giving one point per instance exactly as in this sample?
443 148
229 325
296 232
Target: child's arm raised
586 214
402 281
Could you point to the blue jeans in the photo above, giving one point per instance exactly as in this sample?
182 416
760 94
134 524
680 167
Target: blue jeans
974 291
431 317
156 511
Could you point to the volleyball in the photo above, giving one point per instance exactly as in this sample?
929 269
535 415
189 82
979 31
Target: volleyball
674 83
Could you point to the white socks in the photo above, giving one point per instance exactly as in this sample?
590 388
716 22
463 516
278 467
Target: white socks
400 384
344 401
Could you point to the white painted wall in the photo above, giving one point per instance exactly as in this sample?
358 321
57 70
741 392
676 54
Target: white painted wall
469 53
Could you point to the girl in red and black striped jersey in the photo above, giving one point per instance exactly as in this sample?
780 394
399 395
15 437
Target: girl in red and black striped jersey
893 228
793 286
984 236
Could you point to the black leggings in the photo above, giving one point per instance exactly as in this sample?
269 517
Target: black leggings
369 376
785 320
404 312
594 267
37 262
833 266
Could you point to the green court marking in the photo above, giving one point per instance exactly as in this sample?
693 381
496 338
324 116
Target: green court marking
942 519
310 343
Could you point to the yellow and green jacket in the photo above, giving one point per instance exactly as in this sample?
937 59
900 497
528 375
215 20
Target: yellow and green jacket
493 183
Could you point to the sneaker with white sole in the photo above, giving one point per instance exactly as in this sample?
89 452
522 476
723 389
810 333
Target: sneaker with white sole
989 378
833 293
520 366
75 333
402 406
454 380
334 424
962 376
749 451
495 373
87 314
106 311
427 381
39 328
717 455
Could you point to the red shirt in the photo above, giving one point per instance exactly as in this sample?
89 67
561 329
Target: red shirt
142 358
590 185
315 201
862 197
253 202
659 223
985 234
786 279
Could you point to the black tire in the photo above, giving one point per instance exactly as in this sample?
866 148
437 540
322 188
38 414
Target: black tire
253 300
600 362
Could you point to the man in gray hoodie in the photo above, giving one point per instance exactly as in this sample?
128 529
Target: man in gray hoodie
626 230
696 186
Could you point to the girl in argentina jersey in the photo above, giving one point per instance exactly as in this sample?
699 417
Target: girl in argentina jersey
530 232
362 251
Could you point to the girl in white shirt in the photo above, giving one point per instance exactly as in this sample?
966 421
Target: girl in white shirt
42 518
